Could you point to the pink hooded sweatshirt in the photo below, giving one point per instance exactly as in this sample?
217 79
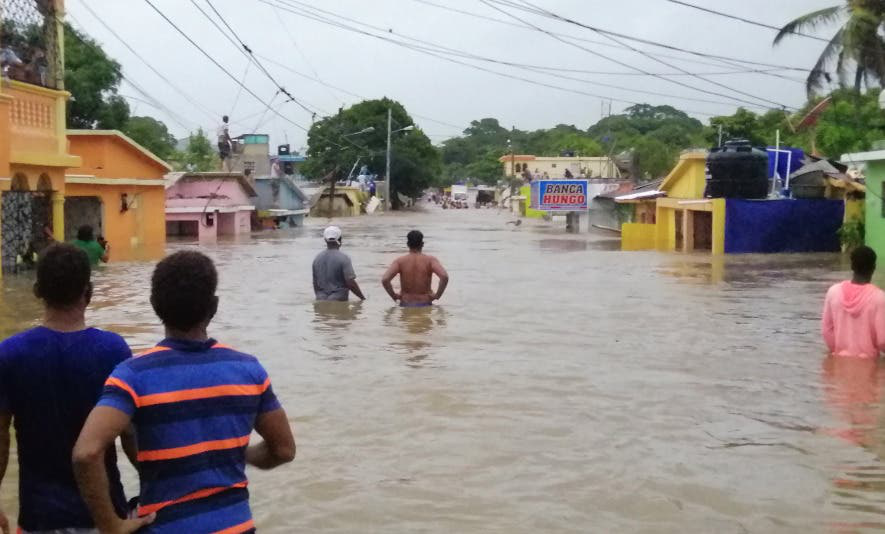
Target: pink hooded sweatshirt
854 320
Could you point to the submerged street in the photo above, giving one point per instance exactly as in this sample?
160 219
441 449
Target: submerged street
560 386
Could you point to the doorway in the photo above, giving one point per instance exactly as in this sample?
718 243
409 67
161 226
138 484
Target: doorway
81 211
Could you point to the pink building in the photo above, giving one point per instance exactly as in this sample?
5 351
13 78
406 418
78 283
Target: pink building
208 204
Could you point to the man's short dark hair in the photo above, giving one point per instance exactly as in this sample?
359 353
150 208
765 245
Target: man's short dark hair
224 118
85 233
863 260
183 290
415 239
63 276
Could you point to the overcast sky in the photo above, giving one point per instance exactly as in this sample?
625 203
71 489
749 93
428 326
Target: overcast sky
442 96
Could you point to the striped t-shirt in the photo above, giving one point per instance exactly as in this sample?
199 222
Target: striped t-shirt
193 405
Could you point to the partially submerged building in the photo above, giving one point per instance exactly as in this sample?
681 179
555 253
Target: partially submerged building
209 204
280 203
118 189
728 213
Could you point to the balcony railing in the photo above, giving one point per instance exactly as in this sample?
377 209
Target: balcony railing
30 40
37 125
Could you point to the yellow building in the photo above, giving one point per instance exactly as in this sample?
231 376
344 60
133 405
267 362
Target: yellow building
33 143
677 216
555 166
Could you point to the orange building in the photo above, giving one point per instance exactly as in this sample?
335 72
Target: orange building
33 146
119 191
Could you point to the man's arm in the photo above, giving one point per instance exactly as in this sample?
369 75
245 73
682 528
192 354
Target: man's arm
353 286
828 328
5 421
443 276
387 280
350 279
278 445
102 427
130 445
107 253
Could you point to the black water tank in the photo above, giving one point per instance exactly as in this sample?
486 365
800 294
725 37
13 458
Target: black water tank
737 170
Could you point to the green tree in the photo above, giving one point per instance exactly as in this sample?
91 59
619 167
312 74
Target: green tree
415 163
858 42
92 78
151 134
198 156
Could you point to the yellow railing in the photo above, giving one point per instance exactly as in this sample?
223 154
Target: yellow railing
37 125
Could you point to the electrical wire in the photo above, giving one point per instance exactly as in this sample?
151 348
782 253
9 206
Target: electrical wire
540 11
741 19
226 71
149 99
720 59
252 57
435 53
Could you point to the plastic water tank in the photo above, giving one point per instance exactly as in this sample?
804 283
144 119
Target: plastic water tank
737 170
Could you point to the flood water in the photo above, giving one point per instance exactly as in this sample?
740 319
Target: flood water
561 385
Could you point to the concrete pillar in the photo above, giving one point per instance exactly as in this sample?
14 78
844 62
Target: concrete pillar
687 231
58 216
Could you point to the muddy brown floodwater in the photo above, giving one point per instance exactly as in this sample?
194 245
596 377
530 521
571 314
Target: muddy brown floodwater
562 386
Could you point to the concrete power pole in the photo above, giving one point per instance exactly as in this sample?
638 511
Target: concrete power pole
387 189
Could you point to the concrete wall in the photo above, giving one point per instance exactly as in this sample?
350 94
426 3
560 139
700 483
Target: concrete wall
555 167
765 226
875 217
229 188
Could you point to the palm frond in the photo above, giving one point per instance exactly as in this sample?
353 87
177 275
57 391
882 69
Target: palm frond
810 20
818 74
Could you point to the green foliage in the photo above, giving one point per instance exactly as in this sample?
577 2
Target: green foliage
852 123
852 234
415 163
199 156
857 44
151 134
92 79
652 135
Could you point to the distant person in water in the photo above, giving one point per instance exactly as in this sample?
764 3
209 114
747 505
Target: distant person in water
415 271
853 321
333 275
92 247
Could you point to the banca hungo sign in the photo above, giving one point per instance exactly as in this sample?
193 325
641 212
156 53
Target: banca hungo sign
559 195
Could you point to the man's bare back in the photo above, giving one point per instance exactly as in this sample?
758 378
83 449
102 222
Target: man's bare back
416 271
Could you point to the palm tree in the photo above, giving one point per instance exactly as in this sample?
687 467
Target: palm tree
858 43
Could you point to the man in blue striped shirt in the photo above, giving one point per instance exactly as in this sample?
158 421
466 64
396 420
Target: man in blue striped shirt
194 403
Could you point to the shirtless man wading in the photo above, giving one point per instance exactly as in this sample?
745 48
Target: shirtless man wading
415 271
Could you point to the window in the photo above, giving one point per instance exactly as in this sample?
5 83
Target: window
250 165
554 165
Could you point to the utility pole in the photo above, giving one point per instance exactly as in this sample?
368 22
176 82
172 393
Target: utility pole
387 190
720 135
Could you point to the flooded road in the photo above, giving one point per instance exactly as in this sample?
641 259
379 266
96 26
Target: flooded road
561 386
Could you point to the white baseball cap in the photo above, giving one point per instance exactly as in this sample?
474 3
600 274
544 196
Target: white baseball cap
332 233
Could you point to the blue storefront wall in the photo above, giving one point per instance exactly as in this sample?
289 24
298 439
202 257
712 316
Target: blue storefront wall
765 226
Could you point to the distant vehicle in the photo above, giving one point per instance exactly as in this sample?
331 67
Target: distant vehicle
459 192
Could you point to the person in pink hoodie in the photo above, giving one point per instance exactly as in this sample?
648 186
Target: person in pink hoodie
853 321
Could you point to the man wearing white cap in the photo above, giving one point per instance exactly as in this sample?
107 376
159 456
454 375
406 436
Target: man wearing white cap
333 276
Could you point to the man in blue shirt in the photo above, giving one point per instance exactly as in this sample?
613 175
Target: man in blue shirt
51 377
194 404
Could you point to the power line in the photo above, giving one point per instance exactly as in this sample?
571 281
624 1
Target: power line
540 11
748 21
721 59
348 91
435 50
247 52
169 82
224 70
303 55
150 100
533 68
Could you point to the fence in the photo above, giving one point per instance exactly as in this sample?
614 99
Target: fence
29 42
